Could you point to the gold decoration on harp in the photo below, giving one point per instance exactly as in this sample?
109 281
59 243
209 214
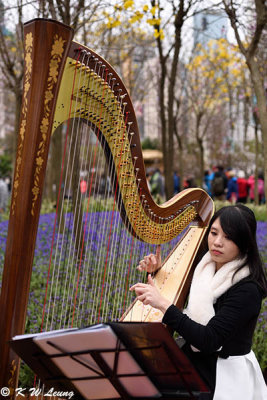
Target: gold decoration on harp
24 110
91 98
56 56
12 380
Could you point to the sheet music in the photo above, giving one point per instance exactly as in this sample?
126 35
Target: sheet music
42 334
94 384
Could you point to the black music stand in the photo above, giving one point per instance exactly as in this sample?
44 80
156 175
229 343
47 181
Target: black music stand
128 360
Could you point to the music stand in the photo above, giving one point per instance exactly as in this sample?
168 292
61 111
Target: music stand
128 360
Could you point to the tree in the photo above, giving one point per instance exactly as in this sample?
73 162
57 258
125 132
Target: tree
169 60
214 81
250 49
11 55
11 39
76 14
167 24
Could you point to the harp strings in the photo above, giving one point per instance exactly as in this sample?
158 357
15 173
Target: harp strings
58 250
91 284
93 222
48 308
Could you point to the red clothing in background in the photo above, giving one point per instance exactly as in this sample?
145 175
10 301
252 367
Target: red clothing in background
242 187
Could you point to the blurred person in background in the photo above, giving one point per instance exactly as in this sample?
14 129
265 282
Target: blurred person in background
251 185
232 190
242 187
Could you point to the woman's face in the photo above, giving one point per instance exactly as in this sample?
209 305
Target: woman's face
221 248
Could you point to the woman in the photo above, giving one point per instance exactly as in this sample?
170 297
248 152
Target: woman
224 303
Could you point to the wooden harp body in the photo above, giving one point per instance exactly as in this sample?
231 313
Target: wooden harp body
66 83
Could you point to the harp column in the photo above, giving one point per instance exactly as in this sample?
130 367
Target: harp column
48 43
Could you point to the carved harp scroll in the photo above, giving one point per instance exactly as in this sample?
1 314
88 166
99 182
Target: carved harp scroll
51 96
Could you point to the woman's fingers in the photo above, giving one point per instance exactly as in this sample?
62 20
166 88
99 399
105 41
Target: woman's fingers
145 264
138 287
148 294
142 298
151 262
150 280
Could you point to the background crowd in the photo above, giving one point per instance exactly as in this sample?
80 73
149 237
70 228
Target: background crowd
221 184
233 185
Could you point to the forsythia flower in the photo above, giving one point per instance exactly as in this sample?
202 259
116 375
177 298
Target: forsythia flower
136 17
235 72
116 23
159 34
112 23
145 8
128 3
154 21
153 10
197 61
118 7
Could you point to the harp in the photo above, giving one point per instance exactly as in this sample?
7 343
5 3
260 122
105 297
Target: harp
70 89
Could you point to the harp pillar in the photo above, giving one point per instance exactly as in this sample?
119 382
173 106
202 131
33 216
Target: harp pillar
48 42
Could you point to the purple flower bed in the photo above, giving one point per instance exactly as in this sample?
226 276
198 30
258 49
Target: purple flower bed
62 295
94 235
69 269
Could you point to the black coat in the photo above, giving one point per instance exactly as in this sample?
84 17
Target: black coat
228 333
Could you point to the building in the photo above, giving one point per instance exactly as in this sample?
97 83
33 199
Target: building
209 25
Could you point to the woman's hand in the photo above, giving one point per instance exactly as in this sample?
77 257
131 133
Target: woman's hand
151 263
147 293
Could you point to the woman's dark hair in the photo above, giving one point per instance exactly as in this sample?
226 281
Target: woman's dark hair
239 223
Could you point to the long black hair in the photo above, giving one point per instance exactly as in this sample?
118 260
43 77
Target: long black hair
239 223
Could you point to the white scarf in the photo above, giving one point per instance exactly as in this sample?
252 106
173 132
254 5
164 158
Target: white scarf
208 285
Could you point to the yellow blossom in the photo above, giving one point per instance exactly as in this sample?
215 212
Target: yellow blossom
153 10
153 21
128 3
115 23
112 23
158 34
118 7
235 72
136 17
